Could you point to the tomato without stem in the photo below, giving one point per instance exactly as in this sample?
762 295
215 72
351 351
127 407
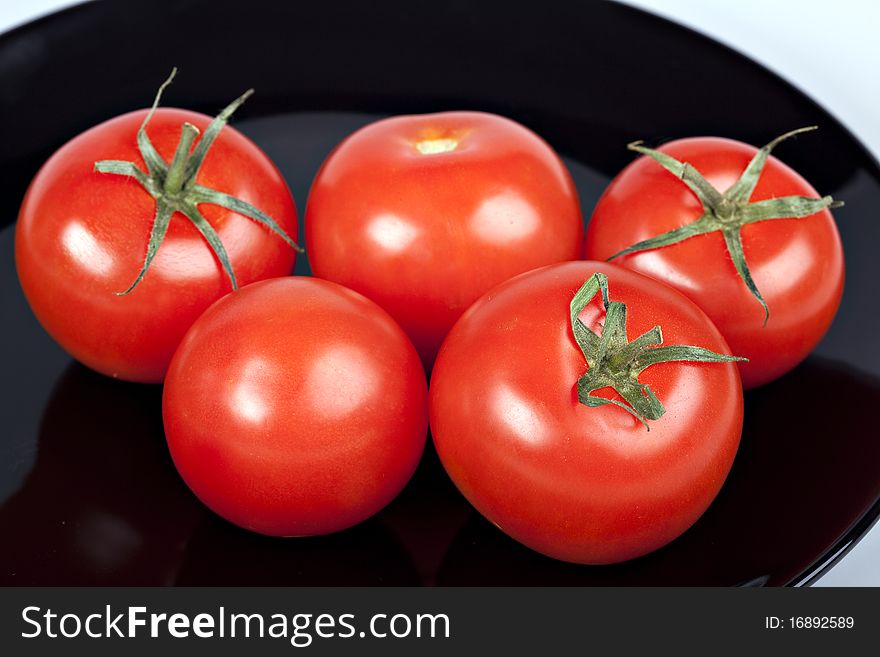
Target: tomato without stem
796 263
295 407
579 483
423 214
82 236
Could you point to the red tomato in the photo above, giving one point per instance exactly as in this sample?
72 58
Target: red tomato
796 263
295 407
82 237
423 214
581 484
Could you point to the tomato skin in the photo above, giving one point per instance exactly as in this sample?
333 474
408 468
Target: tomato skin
425 235
586 485
295 407
797 264
82 237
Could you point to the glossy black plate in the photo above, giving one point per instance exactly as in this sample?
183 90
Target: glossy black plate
88 494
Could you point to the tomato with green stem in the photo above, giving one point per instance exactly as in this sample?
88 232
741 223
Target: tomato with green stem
540 405
134 227
762 258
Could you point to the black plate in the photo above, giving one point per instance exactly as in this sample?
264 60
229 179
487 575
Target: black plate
88 494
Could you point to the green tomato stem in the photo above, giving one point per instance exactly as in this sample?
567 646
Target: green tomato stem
615 362
728 212
176 176
175 189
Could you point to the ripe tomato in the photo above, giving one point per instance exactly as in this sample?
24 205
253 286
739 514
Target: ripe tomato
796 263
295 407
82 236
520 439
423 214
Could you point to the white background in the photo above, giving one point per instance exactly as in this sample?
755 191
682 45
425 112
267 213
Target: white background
828 48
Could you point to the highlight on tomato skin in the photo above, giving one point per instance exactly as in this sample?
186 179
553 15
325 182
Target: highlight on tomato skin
116 265
776 299
425 213
295 407
584 484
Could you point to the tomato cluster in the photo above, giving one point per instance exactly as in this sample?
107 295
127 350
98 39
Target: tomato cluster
590 409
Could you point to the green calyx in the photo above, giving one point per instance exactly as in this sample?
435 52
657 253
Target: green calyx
175 189
729 211
616 363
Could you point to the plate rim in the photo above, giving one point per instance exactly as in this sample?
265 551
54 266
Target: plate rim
862 526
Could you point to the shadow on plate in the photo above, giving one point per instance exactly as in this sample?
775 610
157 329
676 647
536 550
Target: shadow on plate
221 554
103 504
